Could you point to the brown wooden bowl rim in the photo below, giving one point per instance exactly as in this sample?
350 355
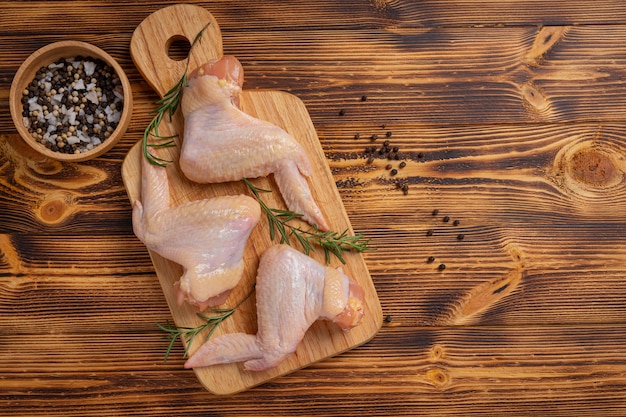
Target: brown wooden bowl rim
46 55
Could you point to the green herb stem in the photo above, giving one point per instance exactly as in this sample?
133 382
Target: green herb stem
333 243
166 106
189 333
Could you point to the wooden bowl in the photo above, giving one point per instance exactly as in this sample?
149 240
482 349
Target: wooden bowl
50 54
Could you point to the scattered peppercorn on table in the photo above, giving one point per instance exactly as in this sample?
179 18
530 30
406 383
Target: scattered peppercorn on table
478 145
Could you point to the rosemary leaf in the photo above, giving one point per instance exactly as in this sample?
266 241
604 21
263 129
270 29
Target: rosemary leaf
306 245
270 221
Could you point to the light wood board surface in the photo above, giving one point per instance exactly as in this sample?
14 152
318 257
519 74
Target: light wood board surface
324 339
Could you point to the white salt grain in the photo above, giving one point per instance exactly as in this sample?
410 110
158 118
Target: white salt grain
89 67
92 96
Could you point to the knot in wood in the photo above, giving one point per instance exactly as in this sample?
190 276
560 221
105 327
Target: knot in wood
437 352
55 208
546 39
438 377
591 168
594 168
535 102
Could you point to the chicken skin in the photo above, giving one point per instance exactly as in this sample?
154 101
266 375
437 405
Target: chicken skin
206 237
292 292
222 143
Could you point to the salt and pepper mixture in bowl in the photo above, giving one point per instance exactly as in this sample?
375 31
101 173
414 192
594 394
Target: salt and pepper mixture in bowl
71 101
73 105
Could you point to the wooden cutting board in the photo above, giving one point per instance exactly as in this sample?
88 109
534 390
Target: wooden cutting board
149 50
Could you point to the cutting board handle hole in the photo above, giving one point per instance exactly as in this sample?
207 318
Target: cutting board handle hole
178 48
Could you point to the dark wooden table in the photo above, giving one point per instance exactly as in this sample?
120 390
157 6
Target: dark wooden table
511 118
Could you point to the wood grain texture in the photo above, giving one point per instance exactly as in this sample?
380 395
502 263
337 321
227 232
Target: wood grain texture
327 14
496 75
428 371
510 118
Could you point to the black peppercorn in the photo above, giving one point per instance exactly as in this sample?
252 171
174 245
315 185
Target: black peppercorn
388 134
429 233
342 112
446 219
374 137
430 259
402 164
442 267
357 136
435 212
461 236
363 98
456 222
388 319
394 171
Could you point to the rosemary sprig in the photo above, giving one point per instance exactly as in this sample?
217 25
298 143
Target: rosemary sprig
189 333
333 243
167 105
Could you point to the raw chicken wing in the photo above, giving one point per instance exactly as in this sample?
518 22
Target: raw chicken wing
292 292
206 237
222 143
